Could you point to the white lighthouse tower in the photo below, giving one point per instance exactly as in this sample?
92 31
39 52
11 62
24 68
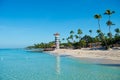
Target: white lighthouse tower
57 41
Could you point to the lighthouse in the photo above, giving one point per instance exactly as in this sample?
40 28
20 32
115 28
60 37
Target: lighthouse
57 41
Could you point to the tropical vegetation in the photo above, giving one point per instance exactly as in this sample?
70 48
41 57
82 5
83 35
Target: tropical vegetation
76 40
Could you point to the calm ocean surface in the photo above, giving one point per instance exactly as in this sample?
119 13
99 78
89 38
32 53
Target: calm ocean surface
18 64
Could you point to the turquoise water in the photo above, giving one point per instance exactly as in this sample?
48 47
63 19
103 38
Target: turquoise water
18 64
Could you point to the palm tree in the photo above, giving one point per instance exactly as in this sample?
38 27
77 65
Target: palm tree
87 39
96 39
117 36
71 32
117 30
109 22
100 34
98 31
71 35
109 13
68 39
76 36
79 32
90 32
98 17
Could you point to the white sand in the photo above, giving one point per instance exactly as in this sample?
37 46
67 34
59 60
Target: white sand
86 53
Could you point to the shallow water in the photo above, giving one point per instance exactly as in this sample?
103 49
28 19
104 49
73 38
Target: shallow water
18 64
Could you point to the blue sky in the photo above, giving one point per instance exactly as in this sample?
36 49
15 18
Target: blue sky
25 22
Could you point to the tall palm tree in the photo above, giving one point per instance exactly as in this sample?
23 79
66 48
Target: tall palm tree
109 22
98 17
100 34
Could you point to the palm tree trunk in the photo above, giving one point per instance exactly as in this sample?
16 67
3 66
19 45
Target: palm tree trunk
79 37
105 42
109 26
109 29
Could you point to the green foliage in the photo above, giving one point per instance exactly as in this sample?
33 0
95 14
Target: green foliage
98 31
63 39
109 35
79 31
90 32
87 38
79 45
97 16
109 23
76 41
42 45
109 12
72 32
76 36
67 45
117 30
82 43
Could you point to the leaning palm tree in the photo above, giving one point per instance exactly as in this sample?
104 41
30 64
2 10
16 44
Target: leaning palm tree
100 34
98 17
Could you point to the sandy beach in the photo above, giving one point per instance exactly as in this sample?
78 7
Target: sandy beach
100 56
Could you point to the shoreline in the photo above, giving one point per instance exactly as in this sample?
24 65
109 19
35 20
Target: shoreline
94 56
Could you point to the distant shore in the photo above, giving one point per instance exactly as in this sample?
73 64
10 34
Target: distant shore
96 56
